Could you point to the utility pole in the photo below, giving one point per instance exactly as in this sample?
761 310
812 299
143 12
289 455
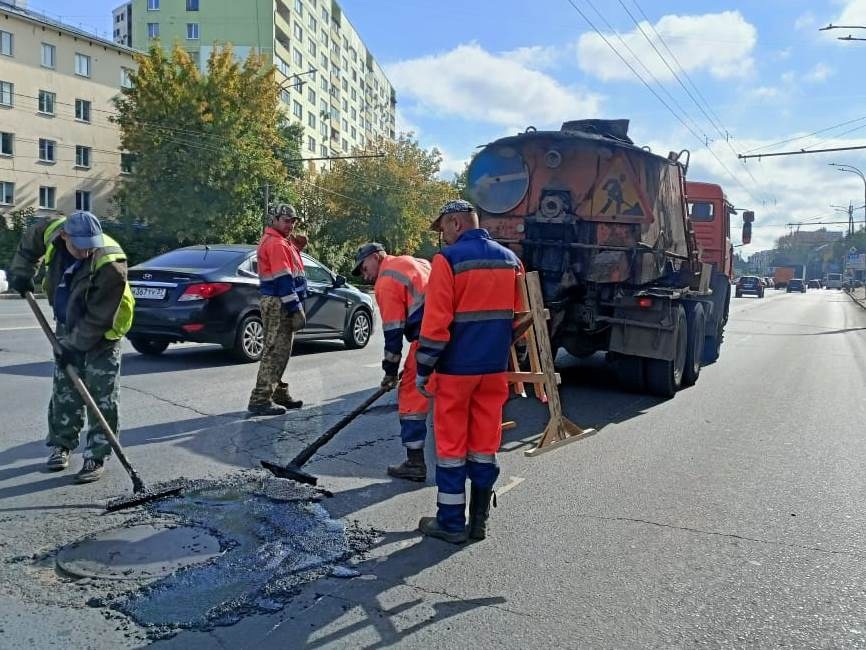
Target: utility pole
267 200
854 170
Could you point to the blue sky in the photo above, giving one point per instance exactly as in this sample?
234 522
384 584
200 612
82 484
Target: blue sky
469 72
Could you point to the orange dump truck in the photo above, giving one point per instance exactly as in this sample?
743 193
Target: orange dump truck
606 225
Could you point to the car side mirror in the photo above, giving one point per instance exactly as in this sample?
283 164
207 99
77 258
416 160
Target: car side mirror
747 232
339 281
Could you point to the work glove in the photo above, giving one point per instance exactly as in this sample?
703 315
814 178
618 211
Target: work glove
389 382
67 356
22 284
421 385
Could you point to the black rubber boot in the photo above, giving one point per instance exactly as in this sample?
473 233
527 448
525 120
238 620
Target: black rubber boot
412 469
282 398
430 527
479 511
265 409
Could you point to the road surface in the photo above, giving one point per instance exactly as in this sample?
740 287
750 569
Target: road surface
730 515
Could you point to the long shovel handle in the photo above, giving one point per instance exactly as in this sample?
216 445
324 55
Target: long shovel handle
137 483
307 453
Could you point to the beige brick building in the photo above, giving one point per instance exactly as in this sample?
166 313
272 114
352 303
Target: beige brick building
58 150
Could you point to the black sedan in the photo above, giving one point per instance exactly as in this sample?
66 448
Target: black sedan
210 294
750 284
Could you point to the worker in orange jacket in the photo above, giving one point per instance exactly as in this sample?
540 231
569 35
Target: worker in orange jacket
466 334
400 283
283 286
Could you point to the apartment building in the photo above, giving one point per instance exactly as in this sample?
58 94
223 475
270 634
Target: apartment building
331 82
58 150
121 24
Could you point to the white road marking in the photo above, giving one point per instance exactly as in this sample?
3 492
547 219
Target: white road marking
373 365
14 329
513 483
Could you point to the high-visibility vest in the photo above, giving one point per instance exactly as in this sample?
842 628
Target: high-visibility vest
111 251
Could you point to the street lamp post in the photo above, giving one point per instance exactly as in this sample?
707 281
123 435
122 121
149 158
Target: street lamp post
854 170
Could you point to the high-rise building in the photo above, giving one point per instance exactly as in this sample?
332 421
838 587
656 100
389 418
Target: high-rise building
122 24
58 150
331 82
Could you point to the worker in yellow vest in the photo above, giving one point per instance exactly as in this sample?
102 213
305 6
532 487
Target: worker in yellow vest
85 281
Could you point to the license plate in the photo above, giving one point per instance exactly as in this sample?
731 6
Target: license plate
148 293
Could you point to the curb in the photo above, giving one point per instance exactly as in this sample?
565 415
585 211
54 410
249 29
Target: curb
862 303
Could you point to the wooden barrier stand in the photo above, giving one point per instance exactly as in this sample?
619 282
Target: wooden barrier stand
560 430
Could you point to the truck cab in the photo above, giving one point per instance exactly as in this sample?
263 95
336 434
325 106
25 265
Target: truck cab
710 214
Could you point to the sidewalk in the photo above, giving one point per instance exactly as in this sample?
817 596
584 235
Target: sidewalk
859 295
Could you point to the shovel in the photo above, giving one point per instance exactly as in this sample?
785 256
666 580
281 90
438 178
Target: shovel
293 470
142 495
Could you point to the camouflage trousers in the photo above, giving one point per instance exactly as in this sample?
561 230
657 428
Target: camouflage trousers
100 372
279 335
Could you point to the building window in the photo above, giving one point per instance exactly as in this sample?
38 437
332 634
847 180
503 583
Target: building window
345 146
82 156
7 193
49 55
82 65
6 41
313 24
323 83
298 110
299 33
46 102
324 129
354 133
153 5
284 96
82 200
323 150
47 197
7 144
354 92
126 162
325 15
153 30
345 105
311 143
125 78
82 110
282 66
324 62
192 31
324 38
345 85
46 150
311 96
7 93
354 114
298 57
299 7
311 119
311 46
192 5
345 125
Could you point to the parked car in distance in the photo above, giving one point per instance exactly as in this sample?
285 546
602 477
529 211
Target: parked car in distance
210 294
796 284
750 284
814 284
4 284
833 281
768 283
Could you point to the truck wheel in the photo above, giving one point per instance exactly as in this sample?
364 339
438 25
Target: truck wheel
694 355
664 378
629 371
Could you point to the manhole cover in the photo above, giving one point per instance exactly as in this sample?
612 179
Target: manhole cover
146 551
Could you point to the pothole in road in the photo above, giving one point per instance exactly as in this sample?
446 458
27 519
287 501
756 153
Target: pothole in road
264 538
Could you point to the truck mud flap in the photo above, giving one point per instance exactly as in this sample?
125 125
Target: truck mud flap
643 333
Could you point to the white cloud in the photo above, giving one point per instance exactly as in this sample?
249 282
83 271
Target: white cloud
819 73
853 13
451 164
721 43
535 57
805 21
474 84
766 92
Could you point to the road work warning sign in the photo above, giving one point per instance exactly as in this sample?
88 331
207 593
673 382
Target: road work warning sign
617 193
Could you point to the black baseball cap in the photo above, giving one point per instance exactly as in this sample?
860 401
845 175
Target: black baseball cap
364 252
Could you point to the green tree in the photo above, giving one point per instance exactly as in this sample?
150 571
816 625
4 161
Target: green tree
204 145
390 199
12 227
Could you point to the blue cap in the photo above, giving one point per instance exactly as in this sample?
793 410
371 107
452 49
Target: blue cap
364 252
84 230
